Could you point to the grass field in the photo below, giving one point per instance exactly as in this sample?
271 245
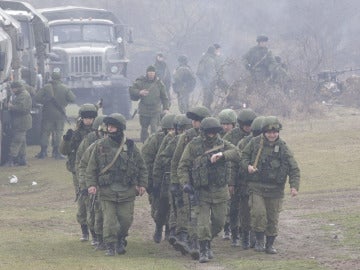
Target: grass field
319 229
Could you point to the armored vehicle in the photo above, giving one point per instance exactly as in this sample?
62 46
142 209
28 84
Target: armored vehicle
88 49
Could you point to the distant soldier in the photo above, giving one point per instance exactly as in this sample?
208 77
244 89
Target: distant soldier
69 146
117 172
19 106
259 60
207 182
55 96
163 72
206 72
153 100
184 83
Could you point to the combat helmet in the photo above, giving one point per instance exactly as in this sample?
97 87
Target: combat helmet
181 120
210 125
56 76
198 113
227 116
98 121
117 120
245 117
256 125
168 121
271 123
88 110
262 38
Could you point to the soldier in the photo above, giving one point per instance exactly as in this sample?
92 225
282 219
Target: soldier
259 60
19 107
149 152
245 118
153 98
117 172
185 223
55 96
91 137
69 146
184 83
163 72
207 74
227 119
207 183
269 162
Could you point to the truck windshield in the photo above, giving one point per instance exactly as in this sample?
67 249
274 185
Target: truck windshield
68 33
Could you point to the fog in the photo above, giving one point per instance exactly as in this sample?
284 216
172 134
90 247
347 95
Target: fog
309 35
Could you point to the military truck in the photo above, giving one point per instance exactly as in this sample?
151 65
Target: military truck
10 54
36 36
34 67
88 48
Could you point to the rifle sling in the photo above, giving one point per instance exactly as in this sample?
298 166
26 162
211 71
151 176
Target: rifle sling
259 152
215 148
105 169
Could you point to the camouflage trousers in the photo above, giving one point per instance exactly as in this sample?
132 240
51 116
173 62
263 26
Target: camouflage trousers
172 212
54 128
244 214
18 144
234 209
95 217
160 209
183 101
186 218
213 212
118 217
147 121
264 212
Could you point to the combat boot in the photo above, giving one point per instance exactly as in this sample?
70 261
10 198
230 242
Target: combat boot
269 249
226 235
235 238
120 245
209 250
56 154
85 233
259 244
158 233
100 245
94 240
110 249
194 249
203 252
43 153
182 243
245 241
172 236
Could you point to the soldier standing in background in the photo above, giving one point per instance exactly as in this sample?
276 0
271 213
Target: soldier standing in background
55 96
117 172
163 72
153 99
69 146
184 83
208 183
19 107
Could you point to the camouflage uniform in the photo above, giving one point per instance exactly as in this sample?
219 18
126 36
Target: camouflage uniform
117 186
53 115
19 107
184 84
150 106
210 182
163 72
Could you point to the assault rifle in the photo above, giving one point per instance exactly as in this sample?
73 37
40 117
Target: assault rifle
193 194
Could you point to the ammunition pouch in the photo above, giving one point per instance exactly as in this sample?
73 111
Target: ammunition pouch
199 173
165 185
106 179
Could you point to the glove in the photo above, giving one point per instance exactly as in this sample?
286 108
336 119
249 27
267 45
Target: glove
68 135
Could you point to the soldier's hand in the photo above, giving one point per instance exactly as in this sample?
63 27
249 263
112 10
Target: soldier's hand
92 190
69 133
293 192
232 190
251 169
143 92
140 190
216 157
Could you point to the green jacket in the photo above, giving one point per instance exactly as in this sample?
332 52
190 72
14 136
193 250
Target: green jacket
155 101
212 179
82 165
163 72
235 135
58 92
259 61
184 80
206 70
275 164
20 111
183 140
118 183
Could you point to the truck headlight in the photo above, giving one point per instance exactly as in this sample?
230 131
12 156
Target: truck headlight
57 69
114 69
